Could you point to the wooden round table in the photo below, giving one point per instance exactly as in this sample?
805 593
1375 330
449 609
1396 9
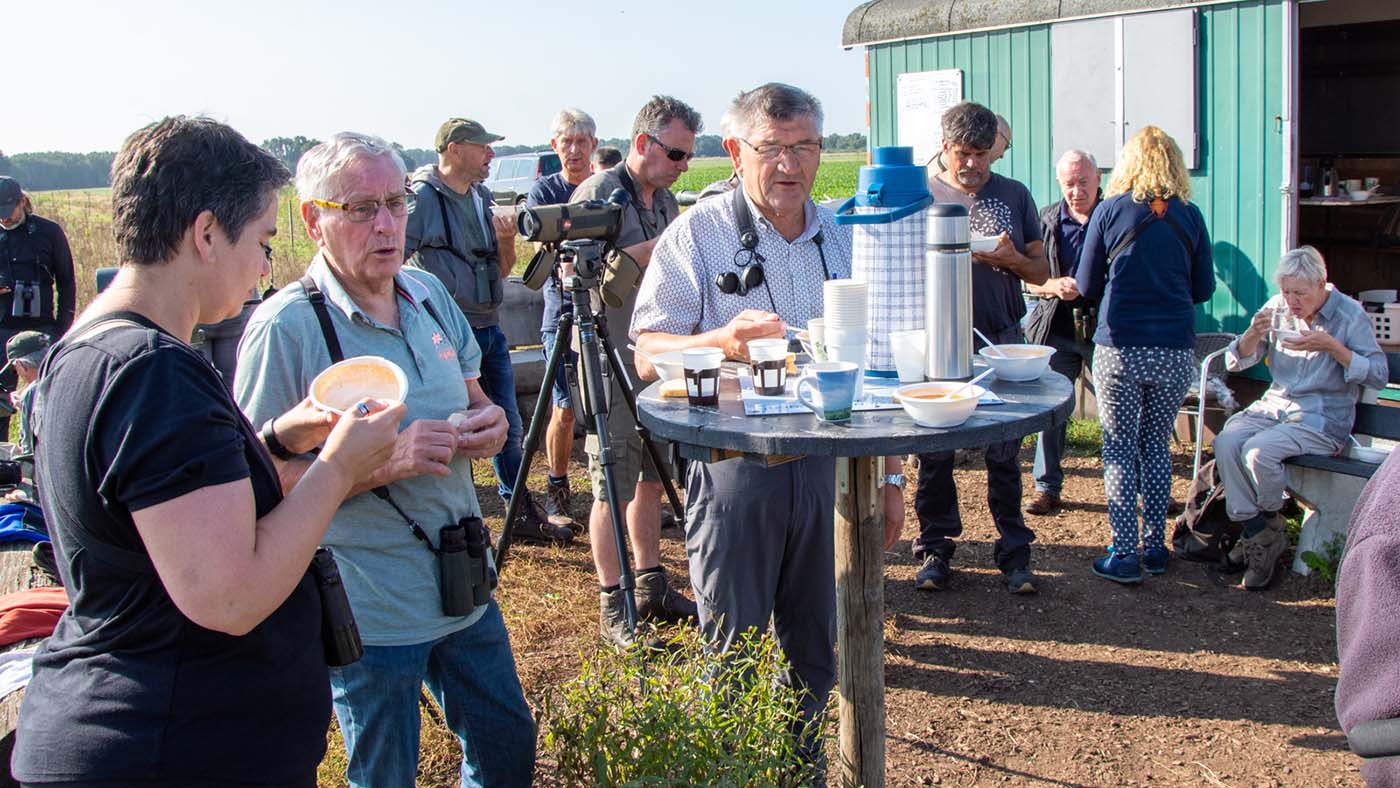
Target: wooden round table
715 434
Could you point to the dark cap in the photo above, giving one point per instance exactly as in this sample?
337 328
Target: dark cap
463 130
27 346
10 195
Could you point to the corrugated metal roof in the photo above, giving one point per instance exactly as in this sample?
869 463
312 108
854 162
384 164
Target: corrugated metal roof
896 20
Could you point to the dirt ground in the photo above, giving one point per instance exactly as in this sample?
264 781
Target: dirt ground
1183 681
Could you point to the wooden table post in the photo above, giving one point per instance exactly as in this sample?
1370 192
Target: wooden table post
860 620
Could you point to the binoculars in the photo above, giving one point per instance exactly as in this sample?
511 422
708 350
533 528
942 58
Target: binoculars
466 577
339 634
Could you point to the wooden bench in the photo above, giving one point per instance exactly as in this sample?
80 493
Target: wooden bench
1329 486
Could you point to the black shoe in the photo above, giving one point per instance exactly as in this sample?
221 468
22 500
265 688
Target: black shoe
532 526
1020 580
557 509
612 623
668 520
934 574
658 601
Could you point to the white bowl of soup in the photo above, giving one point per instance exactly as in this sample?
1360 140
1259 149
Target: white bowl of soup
1018 362
341 385
940 403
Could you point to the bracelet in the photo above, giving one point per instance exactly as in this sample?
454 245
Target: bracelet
269 437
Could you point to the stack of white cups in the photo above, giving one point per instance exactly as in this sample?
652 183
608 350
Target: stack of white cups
847 314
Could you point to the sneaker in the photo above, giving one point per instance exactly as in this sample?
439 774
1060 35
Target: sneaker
1235 560
1154 560
1020 581
934 574
658 601
531 525
1261 554
1044 503
612 623
43 556
1120 568
556 507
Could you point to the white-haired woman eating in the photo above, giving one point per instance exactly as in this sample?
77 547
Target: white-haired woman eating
1321 351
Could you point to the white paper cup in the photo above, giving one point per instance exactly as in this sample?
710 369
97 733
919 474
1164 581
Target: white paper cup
816 330
768 349
846 336
701 371
908 350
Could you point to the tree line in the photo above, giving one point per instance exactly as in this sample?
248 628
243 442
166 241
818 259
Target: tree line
62 170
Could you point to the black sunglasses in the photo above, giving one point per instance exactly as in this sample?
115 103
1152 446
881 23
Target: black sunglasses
674 154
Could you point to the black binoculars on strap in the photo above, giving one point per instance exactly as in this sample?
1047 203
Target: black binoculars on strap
466 577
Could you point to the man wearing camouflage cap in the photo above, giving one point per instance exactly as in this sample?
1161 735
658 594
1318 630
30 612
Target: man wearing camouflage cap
453 235
25 352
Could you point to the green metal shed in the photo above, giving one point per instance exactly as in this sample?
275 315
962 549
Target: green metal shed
1244 134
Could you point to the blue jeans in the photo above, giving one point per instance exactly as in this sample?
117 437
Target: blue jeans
498 381
563 397
1069 360
471 674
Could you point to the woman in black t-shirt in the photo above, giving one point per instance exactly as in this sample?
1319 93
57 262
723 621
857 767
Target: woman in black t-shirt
191 652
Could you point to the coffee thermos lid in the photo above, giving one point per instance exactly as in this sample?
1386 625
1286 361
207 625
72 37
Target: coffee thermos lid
948 227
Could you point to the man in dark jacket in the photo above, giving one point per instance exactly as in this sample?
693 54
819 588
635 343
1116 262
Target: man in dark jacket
36 274
1053 321
454 234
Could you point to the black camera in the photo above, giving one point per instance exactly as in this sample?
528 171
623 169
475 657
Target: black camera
466 576
340 636
26 301
592 220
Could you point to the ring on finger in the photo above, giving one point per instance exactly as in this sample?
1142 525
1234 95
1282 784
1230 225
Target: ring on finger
362 409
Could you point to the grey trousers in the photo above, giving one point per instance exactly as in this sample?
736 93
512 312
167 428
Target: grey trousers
1249 455
761 547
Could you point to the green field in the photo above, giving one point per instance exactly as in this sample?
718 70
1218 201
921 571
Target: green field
86 216
835 178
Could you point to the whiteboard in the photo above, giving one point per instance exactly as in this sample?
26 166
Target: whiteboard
923 97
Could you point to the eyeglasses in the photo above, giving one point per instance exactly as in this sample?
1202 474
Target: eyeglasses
674 154
366 210
1006 137
771 151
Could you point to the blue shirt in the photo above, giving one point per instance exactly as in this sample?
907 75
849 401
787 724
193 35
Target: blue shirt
390 576
1146 297
551 190
1070 244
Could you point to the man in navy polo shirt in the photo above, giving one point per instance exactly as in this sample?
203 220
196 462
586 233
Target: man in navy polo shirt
574 138
1062 229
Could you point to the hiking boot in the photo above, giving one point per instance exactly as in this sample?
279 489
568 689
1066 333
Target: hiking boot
556 507
1020 580
1119 567
1154 560
1235 560
668 520
1175 507
1261 554
934 574
658 601
531 525
1044 503
612 623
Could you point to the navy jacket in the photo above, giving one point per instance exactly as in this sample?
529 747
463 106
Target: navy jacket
1147 296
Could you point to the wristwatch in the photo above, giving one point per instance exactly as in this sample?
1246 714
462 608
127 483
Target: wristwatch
897 479
269 437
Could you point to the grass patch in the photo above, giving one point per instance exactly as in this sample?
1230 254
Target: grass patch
1083 438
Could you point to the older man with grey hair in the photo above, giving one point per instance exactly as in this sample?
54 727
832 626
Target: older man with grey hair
358 299
759 537
574 138
1061 309
663 137
1321 352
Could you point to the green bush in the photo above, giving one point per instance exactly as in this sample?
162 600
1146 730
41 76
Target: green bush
679 718
1326 563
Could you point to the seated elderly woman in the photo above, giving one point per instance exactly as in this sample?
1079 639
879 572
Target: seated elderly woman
1321 351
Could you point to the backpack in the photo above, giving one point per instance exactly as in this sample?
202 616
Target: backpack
1204 532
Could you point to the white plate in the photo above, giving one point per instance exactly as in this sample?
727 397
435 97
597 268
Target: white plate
984 243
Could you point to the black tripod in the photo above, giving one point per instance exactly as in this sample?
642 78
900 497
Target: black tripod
594 345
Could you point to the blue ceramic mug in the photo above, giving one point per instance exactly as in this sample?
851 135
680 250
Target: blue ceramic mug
833 386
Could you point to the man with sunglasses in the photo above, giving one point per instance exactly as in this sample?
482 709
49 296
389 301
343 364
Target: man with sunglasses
663 136
453 234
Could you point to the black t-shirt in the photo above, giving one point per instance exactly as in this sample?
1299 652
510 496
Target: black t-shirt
128 687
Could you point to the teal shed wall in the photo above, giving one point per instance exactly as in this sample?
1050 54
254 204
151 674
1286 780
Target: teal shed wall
1240 94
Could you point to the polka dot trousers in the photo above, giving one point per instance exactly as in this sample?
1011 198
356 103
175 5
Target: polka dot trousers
1139 390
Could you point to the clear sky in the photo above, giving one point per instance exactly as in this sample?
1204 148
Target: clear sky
83 75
